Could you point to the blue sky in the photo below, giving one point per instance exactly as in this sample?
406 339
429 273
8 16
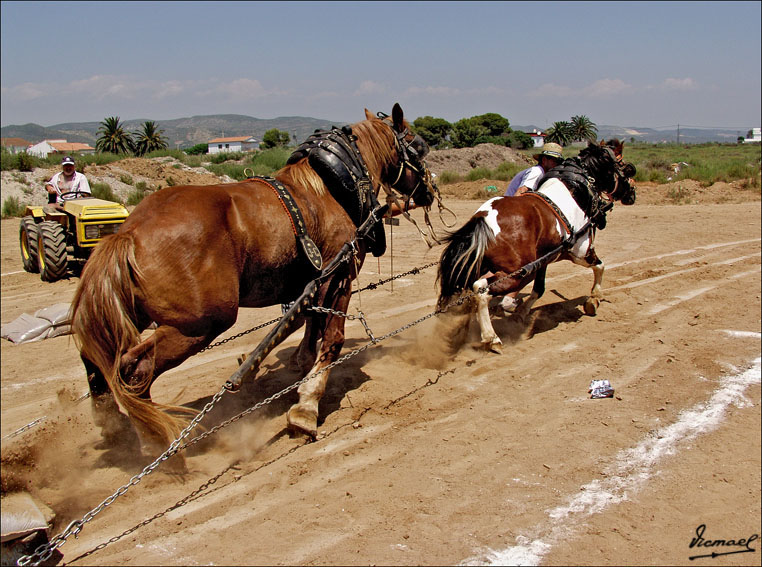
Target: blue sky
640 64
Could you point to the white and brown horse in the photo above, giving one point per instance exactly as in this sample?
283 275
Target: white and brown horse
188 257
509 241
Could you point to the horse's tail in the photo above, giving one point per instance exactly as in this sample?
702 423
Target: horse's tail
104 326
461 261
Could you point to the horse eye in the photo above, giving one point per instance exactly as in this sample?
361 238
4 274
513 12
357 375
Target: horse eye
628 170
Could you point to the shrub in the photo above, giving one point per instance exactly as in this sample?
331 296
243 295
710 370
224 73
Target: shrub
104 191
448 177
170 181
222 157
12 208
479 173
126 179
136 196
26 162
198 149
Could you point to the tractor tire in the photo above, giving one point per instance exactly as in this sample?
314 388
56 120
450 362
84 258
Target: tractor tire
28 235
52 251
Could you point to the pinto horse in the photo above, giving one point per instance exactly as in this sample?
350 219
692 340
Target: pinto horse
188 257
509 241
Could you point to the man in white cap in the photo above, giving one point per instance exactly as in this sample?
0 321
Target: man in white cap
67 181
550 156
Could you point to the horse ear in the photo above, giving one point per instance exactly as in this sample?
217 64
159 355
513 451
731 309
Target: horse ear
397 117
369 115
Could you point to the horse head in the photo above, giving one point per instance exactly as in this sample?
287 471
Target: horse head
611 173
409 174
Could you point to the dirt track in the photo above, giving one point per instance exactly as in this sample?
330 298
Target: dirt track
426 459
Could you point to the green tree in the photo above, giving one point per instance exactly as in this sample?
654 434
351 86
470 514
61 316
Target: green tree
519 140
583 128
434 131
274 138
149 139
560 133
113 137
495 124
466 131
198 149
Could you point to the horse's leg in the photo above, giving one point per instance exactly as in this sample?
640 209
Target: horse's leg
489 338
302 416
538 289
306 353
592 261
166 348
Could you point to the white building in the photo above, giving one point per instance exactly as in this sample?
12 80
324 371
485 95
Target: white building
537 137
756 136
15 145
46 147
234 144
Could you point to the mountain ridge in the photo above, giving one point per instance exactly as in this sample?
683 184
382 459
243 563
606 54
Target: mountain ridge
188 131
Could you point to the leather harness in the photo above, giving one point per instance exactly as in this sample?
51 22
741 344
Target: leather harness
335 157
297 220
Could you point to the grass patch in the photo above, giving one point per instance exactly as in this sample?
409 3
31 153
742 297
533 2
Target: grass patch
104 191
126 179
12 208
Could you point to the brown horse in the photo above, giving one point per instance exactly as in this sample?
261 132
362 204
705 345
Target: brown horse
509 241
189 256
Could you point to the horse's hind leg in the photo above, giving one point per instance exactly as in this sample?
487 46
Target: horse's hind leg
166 348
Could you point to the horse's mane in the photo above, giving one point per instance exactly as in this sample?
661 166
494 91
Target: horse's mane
376 144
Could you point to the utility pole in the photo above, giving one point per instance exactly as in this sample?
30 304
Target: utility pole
678 134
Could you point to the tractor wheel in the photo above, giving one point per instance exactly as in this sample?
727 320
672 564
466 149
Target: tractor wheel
52 251
28 235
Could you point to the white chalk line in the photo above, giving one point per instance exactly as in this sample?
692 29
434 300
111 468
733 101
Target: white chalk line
631 469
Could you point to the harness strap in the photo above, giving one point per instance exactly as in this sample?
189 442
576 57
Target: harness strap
553 207
297 220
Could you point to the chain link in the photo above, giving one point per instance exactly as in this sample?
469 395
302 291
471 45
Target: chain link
44 552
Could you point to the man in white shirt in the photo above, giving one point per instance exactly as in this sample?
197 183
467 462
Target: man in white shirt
526 180
67 181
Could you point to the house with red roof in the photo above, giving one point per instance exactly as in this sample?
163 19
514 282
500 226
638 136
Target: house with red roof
234 144
47 147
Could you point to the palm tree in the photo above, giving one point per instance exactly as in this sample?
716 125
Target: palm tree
113 138
583 128
560 133
149 139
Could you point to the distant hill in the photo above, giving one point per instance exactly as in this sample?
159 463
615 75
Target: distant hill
186 132
661 135
182 132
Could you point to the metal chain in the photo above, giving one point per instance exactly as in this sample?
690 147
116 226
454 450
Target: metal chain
239 335
43 552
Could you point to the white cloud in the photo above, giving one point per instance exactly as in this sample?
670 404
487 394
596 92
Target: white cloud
369 88
432 91
598 89
25 91
685 84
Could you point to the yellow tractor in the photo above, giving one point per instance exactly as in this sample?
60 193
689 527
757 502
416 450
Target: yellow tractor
54 242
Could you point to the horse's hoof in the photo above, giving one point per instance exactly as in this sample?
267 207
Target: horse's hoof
302 422
591 306
496 346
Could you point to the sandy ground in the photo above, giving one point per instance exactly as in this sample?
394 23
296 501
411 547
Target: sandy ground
426 458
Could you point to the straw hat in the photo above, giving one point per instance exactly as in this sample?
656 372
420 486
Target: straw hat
551 150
